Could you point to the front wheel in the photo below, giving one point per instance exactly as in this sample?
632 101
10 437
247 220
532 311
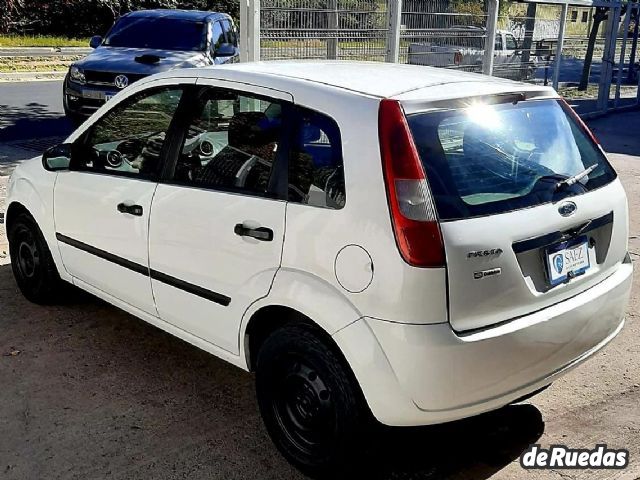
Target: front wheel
31 261
309 400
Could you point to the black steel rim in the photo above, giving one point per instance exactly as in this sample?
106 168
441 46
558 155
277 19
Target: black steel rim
304 407
28 257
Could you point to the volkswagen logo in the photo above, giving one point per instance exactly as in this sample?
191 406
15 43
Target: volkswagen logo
121 81
567 209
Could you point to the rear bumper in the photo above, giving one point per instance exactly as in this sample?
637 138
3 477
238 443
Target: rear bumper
425 374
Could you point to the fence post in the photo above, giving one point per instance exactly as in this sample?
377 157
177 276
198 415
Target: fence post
254 31
393 33
623 52
560 47
608 59
332 25
490 41
244 30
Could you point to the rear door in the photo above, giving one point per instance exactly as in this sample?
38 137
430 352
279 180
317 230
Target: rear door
217 222
519 237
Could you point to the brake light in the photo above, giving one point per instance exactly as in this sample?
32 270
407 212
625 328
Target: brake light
413 213
457 58
579 121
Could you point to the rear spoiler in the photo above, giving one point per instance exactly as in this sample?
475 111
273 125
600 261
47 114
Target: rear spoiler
500 97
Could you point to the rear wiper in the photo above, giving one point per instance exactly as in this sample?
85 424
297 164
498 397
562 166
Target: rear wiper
576 178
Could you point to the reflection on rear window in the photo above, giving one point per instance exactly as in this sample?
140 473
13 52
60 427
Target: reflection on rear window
489 159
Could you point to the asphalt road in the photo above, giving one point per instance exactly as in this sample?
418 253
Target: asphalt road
87 391
31 110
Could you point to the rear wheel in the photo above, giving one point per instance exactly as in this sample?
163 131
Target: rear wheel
309 401
31 261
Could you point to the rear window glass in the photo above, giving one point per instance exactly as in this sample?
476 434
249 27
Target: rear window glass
490 159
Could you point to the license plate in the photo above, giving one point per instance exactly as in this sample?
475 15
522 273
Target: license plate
98 95
93 94
567 260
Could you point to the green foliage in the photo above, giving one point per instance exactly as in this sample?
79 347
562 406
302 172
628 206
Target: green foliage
13 40
77 18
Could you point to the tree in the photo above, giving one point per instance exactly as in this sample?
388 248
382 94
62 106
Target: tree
7 12
529 28
77 18
601 14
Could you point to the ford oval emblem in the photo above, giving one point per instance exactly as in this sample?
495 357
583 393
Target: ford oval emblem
567 209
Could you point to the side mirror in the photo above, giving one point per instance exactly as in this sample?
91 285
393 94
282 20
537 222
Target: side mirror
225 50
57 158
95 41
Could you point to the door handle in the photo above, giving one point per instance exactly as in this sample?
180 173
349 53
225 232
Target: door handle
135 210
261 233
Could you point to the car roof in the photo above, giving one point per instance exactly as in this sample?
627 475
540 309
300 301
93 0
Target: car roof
376 79
194 15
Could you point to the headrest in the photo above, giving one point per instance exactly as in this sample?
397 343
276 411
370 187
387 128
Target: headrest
251 129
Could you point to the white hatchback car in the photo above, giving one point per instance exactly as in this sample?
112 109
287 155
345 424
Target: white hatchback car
415 244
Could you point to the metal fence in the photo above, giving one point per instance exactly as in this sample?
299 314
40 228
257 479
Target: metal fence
321 29
436 34
534 42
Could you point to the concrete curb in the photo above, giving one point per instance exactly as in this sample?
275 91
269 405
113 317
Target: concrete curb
42 51
31 76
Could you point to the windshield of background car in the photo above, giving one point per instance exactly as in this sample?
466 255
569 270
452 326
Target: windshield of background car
160 33
490 159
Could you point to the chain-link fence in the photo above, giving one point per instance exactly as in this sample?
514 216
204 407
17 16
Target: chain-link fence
323 29
596 49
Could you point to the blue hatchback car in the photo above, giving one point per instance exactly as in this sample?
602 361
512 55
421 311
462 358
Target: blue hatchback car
142 43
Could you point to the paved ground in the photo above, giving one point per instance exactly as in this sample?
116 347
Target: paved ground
87 391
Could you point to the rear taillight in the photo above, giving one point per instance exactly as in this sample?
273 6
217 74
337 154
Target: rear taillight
457 58
412 210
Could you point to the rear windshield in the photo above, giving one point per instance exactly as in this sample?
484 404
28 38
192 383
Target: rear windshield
490 159
160 33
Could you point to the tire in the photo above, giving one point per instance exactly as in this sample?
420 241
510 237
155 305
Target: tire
310 402
31 261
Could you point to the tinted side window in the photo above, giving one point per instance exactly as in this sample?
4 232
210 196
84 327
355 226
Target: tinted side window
232 143
316 170
128 140
217 36
512 44
230 32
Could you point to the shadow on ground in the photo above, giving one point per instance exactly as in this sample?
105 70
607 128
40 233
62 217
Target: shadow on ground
95 392
32 120
617 133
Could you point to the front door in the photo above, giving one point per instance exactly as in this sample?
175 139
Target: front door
102 204
217 225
